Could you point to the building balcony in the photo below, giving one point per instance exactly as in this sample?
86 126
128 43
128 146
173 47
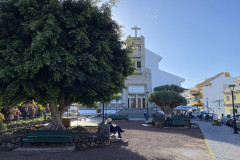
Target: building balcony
137 54
197 102
139 71
195 92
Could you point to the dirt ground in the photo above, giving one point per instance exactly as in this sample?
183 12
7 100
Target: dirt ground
139 143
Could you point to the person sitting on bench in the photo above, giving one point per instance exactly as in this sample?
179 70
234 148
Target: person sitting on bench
114 128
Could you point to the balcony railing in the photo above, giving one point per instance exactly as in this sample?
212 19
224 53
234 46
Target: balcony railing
195 92
139 70
137 53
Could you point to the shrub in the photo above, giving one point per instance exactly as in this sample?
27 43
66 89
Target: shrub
3 126
1 117
117 117
216 123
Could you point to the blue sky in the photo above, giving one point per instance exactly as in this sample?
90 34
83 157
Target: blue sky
196 38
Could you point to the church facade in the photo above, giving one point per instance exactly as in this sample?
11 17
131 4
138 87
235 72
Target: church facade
139 84
147 75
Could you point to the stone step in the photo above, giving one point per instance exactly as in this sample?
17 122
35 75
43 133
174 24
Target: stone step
46 149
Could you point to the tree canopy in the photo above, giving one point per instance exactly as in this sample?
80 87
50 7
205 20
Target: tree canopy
167 98
60 52
171 87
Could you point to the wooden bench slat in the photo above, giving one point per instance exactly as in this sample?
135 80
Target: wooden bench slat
48 136
47 140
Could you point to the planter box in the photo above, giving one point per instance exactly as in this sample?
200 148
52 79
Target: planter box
159 124
66 122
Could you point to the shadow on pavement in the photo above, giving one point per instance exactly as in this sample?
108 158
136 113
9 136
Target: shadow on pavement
113 152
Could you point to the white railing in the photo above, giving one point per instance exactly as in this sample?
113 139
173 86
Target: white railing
137 53
139 70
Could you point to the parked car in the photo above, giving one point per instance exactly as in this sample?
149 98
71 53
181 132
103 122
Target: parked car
231 119
225 119
238 124
208 116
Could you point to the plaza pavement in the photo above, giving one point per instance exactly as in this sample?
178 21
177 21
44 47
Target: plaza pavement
139 143
224 144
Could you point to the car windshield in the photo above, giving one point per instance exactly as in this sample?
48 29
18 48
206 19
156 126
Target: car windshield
228 116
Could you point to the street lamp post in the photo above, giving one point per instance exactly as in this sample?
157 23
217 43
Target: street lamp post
207 106
103 114
147 105
219 109
234 118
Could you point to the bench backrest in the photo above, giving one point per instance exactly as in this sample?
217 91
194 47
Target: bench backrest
64 133
178 121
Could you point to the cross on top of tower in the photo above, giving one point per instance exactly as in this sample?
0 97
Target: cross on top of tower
135 28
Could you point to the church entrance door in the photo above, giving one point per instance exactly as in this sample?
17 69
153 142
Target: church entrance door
139 102
133 102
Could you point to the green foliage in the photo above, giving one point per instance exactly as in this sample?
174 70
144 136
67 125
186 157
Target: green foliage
216 123
117 97
60 52
48 118
117 117
167 97
1 117
3 126
163 98
22 131
172 87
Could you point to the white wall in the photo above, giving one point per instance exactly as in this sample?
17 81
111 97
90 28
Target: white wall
159 77
215 92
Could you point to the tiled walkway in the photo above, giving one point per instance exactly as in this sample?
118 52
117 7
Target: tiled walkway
223 143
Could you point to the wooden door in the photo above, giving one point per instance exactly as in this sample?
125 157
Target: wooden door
133 103
143 100
139 102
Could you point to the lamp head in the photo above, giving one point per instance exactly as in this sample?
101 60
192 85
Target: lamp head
231 87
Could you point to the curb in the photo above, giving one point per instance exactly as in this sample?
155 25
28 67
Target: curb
205 141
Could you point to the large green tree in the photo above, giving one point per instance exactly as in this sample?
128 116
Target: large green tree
167 97
59 52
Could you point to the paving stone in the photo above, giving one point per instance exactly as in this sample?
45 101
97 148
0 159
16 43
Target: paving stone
223 143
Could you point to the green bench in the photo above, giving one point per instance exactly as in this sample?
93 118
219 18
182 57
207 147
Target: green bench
117 117
38 136
179 122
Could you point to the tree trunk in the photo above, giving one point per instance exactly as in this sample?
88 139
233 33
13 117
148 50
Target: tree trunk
168 115
117 107
167 110
6 111
56 115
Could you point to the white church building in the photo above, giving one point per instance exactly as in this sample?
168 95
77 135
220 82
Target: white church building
147 75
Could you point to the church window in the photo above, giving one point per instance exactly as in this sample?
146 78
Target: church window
139 41
139 64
